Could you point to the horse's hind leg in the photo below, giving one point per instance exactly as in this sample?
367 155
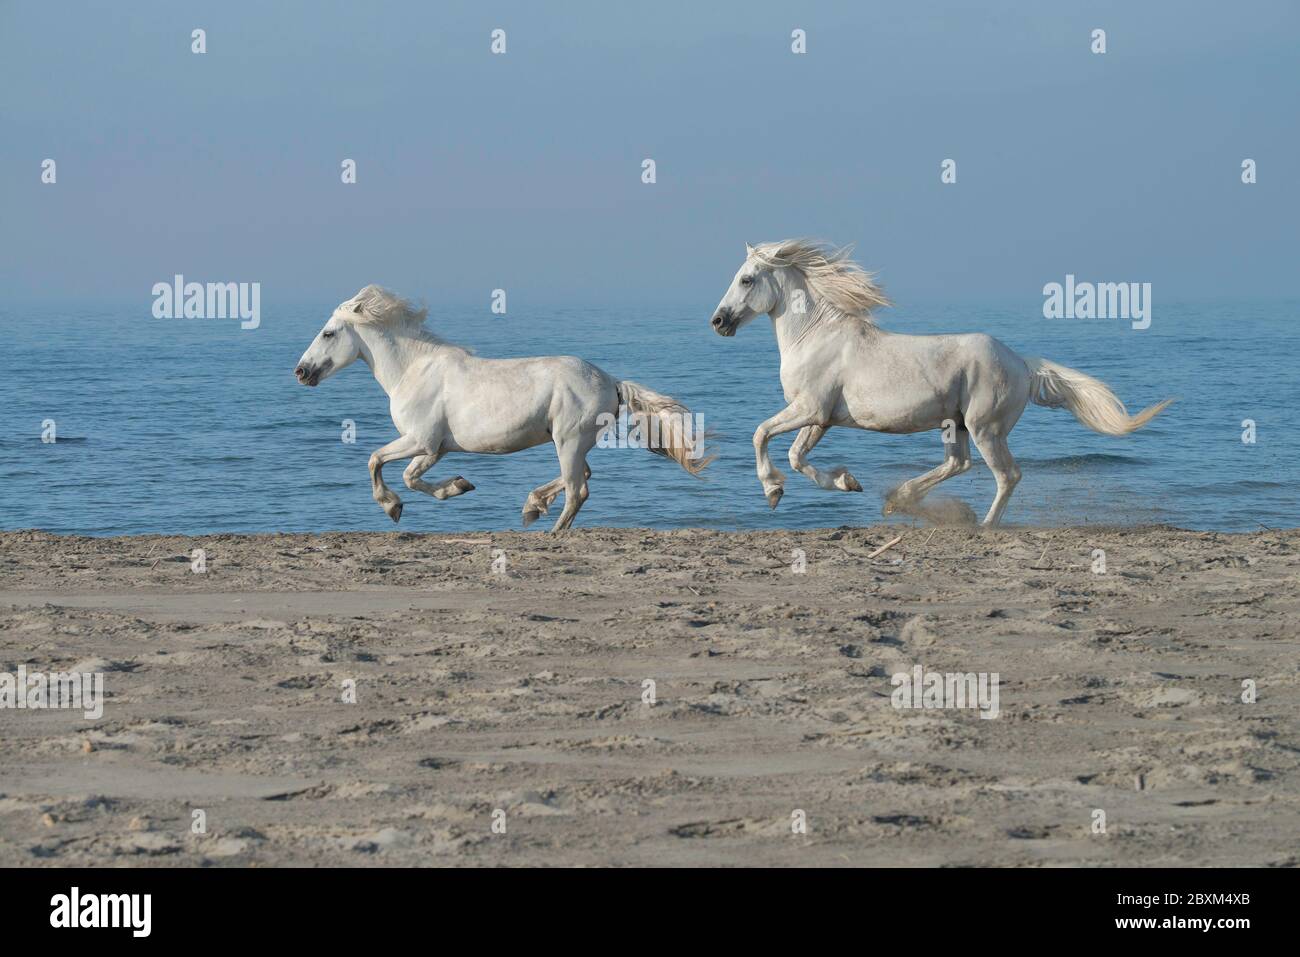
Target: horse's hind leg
997 456
539 499
908 495
832 479
573 473
421 464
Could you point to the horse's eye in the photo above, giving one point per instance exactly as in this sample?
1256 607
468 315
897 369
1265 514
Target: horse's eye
747 281
328 335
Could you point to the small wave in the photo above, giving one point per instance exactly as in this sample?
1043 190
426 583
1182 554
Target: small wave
1061 462
1242 485
1082 461
221 458
28 440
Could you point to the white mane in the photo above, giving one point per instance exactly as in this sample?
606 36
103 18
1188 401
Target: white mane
375 305
831 275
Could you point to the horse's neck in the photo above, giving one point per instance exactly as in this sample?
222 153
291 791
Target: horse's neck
791 317
389 351
800 319
803 334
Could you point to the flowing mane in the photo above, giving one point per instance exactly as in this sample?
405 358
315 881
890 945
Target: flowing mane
831 275
377 306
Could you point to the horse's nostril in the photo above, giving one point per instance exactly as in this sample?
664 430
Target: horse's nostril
300 372
717 322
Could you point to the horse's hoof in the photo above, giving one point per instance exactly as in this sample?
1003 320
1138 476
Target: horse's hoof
845 482
774 496
531 515
462 484
394 511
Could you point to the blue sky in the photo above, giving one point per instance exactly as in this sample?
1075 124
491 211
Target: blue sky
522 171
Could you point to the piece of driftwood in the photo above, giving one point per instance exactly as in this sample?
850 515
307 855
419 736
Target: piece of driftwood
885 547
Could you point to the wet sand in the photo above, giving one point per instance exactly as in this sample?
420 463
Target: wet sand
515 696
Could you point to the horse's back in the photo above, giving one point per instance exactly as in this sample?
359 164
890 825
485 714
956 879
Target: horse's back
990 351
573 389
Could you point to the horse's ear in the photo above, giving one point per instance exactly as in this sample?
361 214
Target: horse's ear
358 307
749 250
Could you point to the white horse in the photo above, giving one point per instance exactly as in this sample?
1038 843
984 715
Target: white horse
839 368
445 399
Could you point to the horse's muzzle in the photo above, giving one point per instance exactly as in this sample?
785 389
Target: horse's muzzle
310 375
724 323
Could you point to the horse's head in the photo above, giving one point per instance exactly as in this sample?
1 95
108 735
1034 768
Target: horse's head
800 280
753 291
335 347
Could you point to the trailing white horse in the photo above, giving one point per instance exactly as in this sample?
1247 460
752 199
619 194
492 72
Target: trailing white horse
839 368
445 399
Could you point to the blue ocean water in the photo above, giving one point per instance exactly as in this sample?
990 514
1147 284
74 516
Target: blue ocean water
196 426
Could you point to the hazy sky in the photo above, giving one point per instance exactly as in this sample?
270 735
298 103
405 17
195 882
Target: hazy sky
523 171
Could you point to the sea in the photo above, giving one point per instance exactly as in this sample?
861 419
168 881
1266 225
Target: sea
195 426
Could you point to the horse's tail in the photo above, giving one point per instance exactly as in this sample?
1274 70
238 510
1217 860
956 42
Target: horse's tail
1089 399
668 426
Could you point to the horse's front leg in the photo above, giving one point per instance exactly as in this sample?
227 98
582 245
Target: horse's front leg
832 479
403 447
787 420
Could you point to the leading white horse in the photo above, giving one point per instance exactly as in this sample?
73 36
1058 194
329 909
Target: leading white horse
839 368
445 399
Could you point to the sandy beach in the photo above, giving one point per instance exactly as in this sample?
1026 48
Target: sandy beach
501 711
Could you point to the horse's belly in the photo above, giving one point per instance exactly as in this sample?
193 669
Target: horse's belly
883 414
509 433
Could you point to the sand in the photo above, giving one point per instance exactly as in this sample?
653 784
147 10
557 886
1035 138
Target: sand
500 715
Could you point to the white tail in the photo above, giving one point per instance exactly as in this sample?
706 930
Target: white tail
673 435
1089 399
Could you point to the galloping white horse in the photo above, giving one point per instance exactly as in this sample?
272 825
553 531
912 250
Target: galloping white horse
444 399
839 368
